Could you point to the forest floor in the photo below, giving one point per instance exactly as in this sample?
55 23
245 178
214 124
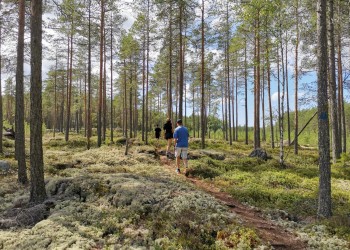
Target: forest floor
274 235
103 199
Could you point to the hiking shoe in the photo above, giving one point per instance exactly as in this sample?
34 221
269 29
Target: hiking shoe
186 172
178 171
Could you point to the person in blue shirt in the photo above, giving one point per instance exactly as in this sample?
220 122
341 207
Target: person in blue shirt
181 145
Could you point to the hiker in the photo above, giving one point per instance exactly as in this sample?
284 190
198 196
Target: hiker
181 145
168 134
157 130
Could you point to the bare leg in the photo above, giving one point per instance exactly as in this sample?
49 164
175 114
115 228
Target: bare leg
178 162
168 146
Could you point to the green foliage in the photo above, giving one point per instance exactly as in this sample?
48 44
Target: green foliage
239 238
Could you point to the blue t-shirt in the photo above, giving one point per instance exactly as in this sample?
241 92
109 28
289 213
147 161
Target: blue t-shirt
181 133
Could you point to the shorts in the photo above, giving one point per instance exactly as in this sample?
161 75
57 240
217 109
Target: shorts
181 151
168 136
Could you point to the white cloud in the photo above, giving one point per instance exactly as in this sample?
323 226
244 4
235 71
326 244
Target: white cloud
274 96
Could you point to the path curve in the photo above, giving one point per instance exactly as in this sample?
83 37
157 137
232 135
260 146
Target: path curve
275 235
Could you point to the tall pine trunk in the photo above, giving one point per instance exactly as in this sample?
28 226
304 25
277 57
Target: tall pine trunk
257 85
203 126
296 81
228 74
324 198
1 108
169 87
112 114
100 92
89 127
147 67
181 70
246 91
37 188
70 81
332 88
287 92
20 136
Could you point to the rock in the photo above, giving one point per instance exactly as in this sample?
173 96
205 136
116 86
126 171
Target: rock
4 166
214 155
260 153
27 216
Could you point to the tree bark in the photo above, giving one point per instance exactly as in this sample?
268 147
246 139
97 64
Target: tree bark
143 86
257 85
246 91
147 68
89 129
169 94
112 114
287 92
20 136
125 112
296 81
70 81
228 74
104 98
282 102
181 70
37 188
332 88
1 108
202 84
100 92
324 198
268 69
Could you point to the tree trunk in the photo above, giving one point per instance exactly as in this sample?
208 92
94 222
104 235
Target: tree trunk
332 88
69 87
341 112
257 86
193 110
126 112
147 68
282 103
296 81
85 103
100 92
263 105
169 94
233 99
143 86
20 136
181 70
324 198
1 108
228 74
55 98
89 127
278 93
236 133
287 92
37 188
104 98
246 91
268 69
112 118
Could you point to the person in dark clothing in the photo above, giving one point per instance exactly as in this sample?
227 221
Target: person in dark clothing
157 130
168 128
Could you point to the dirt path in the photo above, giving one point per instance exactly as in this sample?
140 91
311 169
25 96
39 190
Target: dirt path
277 236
